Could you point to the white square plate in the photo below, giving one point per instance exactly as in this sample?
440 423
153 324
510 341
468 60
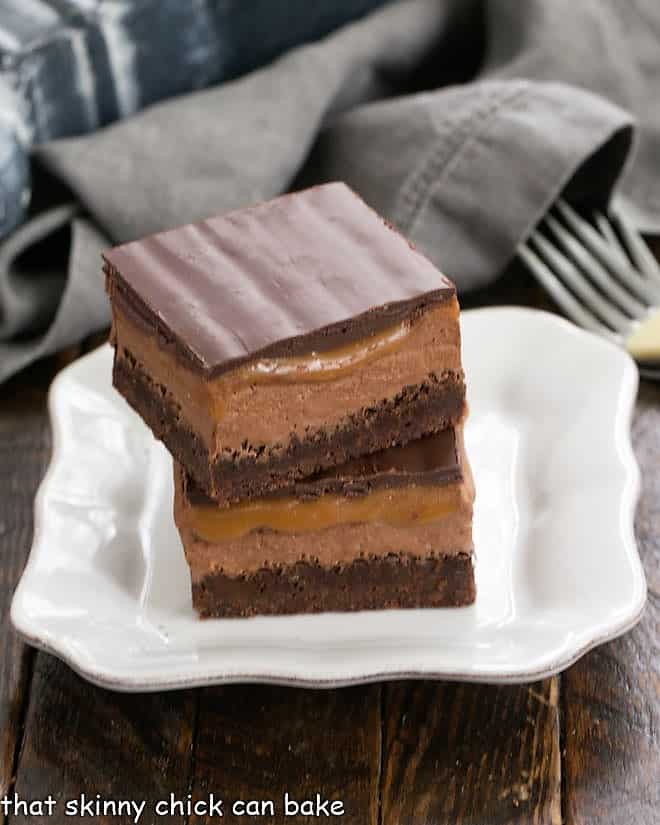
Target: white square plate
107 589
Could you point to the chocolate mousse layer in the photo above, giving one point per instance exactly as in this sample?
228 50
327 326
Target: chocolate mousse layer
271 343
390 530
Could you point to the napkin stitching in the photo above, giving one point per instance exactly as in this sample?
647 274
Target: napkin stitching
445 154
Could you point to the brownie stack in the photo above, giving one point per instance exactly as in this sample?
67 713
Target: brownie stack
301 361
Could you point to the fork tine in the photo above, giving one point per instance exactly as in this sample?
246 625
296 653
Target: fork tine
563 298
644 290
607 231
569 273
581 256
639 251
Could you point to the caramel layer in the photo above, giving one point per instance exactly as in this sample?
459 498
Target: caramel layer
229 410
403 507
323 366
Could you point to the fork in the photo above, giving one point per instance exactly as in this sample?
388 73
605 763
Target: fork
603 276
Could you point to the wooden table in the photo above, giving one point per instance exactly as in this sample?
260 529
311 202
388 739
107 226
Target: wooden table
583 747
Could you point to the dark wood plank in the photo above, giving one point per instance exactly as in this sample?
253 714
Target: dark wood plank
24 452
258 742
476 754
83 739
612 696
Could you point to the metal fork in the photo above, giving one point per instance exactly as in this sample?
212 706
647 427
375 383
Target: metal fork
603 276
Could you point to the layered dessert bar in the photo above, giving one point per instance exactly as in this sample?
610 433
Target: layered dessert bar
389 530
273 343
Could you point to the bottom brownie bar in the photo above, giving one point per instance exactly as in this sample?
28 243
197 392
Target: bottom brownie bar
390 530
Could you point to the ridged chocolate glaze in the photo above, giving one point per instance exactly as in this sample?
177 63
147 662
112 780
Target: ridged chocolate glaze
377 583
432 460
305 272
417 411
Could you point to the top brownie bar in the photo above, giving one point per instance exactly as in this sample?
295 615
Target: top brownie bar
275 341
304 272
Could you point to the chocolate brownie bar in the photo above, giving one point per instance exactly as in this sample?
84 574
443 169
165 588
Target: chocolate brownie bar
274 342
393 529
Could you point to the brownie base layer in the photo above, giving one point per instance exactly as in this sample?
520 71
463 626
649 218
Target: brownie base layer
255 471
392 581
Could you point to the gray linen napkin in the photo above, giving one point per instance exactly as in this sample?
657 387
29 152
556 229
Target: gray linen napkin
466 169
